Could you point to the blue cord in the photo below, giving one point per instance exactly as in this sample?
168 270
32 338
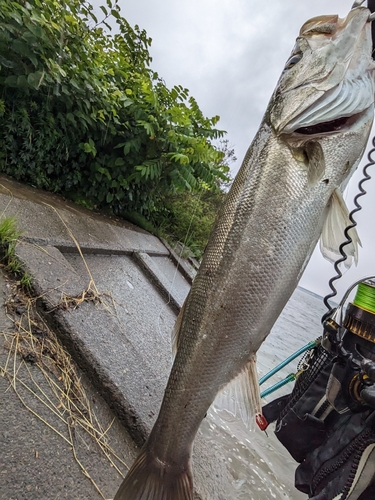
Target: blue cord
286 380
277 368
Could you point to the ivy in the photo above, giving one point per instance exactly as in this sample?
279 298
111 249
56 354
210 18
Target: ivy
82 113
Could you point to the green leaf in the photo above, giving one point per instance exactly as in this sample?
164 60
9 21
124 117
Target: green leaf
35 79
16 16
70 117
35 16
36 30
120 145
74 83
94 17
11 81
115 14
6 63
109 197
89 147
181 158
21 47
22 81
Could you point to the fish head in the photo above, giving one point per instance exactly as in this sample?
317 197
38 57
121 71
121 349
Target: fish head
326 89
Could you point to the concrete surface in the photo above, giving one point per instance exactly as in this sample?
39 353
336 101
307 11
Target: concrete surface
120 334
35 461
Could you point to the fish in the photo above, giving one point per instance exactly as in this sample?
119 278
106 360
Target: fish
286 195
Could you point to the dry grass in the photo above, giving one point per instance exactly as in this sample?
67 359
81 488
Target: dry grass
41 371
33 344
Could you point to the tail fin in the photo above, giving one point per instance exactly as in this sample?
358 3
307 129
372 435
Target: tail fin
150 479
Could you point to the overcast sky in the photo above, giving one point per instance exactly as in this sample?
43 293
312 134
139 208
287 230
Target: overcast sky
230 54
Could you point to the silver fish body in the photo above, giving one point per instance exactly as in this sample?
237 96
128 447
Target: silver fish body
311 139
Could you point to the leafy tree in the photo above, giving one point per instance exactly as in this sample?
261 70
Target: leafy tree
82 113
188 217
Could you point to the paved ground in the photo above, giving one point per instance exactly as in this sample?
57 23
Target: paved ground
110 292
37 459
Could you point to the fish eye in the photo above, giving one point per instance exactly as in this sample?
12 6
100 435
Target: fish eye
293 60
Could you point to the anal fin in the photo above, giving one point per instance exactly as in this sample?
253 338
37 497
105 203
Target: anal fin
241 397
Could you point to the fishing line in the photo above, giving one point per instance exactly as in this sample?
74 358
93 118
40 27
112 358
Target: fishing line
365 298
358 207
178 264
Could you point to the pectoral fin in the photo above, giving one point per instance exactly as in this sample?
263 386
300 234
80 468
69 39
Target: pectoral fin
310 157
316 162
332 237
241 397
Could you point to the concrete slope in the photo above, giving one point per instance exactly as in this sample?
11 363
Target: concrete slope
112 293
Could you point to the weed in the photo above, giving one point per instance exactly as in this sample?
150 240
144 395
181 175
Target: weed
9 235
141 221
13 264
25 282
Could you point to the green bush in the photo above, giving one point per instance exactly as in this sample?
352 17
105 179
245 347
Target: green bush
190 217
82 113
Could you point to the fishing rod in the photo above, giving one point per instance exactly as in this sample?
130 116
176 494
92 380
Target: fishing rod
290 378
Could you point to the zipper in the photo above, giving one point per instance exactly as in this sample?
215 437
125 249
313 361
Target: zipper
353 471
356 447
320 411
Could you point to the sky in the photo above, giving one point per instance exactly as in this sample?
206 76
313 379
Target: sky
230 54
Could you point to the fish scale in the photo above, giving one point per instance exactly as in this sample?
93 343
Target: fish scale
287 193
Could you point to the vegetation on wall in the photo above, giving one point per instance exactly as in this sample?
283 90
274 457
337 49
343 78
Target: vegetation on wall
82 113
189 216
